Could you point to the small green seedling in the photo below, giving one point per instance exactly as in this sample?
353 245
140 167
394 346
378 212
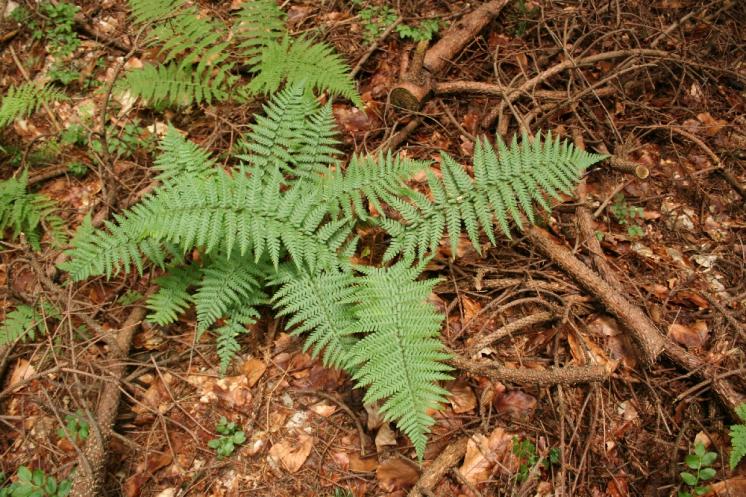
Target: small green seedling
526 452
424 31
738 438
699 462
231 436
76 428
35 483
628 215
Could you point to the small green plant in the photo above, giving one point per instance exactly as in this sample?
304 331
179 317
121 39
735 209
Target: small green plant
738 438
627 215
526 452
25 323
125 141
76 428
64 76
699 462
375 20
230 436
523 15
58 28
77 169
424 31
27 213
342 492
35 483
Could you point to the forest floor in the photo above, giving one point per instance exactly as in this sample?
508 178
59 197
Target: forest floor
664 223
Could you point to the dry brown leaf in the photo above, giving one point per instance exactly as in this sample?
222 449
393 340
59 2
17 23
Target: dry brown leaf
516 403
712 126
483 453
323 409
292 453
253 369
21 372
385 437
734 487
397 474
694 335
375 418
360 465
618 486
471 308
462 397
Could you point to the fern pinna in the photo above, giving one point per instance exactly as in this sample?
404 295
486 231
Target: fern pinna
200 57
279 229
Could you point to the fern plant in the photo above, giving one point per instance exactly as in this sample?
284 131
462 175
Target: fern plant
738 438
26 323
290 202
25 99
200 56
25 212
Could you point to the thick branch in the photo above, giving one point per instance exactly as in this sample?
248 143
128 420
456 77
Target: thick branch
646 335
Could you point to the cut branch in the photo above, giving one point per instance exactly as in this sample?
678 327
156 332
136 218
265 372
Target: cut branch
417 85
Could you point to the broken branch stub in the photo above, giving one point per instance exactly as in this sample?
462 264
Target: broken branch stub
417 85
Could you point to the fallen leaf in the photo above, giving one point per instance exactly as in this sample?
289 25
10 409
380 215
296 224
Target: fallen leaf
23 370
362 465
397 474
253 369
323 409
734 487
292 453
712 126
482 453
375 418
618 486
385 437
516 403
462 397
694 335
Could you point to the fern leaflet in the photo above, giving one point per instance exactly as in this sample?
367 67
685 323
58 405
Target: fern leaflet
400 357
228 284
24 212
504 188
321 304
172 297
738 438
25 99
24 323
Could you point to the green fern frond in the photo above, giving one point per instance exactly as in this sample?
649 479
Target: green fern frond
227 335
400 358
377 179
25 99
24 323
738 438
259 23
172 297
25 212
189 38
299 60
230 213
148 11
174 84
505 188
295 137
228 284
180 157
321 305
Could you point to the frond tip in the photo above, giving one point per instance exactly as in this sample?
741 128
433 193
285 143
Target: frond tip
400 358
506 187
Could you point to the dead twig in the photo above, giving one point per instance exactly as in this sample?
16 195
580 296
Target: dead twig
642 329
533 377
447 459
514 327
374 46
